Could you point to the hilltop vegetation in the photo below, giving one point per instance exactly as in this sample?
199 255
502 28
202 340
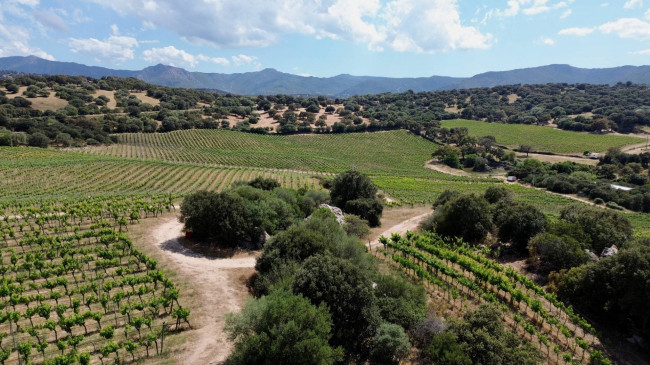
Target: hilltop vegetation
66 110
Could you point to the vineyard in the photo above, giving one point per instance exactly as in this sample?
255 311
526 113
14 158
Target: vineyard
394 152
74 289
458 271
37 174
543 139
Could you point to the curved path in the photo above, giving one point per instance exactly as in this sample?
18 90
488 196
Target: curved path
220 287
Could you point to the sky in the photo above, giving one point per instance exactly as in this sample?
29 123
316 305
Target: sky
323 38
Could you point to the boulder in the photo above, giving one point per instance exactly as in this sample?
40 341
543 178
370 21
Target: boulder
609 251
592 256
335 210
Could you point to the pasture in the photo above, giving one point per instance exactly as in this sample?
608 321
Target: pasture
543 139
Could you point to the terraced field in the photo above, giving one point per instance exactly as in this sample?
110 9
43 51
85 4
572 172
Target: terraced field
543 139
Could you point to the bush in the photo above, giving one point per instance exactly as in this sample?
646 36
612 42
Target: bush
369 209
348 292
399 301
219 216
518 222
466 216
264 184
451 160
355 226
557 252
278 328
390 345
495 193
39 140
351 185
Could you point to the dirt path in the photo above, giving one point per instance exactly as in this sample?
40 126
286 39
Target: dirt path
220 284
410 224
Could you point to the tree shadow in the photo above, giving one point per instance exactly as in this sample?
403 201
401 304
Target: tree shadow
199 249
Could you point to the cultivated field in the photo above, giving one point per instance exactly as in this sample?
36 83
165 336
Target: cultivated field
543 139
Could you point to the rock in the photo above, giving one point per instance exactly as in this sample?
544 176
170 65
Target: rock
592 256
336 210
609 251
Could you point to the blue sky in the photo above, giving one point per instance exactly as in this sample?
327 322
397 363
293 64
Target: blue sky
396 38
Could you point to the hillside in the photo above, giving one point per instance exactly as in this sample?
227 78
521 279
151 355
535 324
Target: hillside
271 81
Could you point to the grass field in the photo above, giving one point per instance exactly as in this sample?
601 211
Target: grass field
543 139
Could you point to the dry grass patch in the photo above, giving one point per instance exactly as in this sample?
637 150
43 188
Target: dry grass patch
112 103
142 95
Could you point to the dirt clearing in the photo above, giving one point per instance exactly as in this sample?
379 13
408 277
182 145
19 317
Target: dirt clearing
218 286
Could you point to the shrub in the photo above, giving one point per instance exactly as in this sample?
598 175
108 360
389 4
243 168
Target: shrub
390 345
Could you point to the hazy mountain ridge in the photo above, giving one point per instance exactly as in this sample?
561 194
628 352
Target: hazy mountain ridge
270 81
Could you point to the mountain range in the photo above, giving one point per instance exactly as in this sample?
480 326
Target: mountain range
270 81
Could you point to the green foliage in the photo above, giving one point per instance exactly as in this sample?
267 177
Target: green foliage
445 350
347 291
355 226
484 339
281 328
605 228
557 252
351 185
264 183
369 209
390 345
540 138
612 288
399 301
518 222
466 216
495 193
220 216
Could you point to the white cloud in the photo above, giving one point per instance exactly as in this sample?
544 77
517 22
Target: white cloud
216 60
173 56
642 52
51 20
404 25
548 41
647 14
114 49
576 31
627 28
14 39
243 59
631 4
566 14
528 7
170 55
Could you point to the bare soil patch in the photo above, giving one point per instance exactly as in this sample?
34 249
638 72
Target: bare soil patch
512 98
142 95
112 103
50 102
398 220
214 287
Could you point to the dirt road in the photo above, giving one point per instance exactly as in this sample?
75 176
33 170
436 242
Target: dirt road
410 224
221 287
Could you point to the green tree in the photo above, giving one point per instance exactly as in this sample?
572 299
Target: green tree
347 291
220 216
351 185
369 209
355 226
557 252
495 193
518 222
39 140
399 301
390 345
466 216
604 227
281 328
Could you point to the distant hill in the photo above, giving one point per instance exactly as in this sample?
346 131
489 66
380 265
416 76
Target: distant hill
270 81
